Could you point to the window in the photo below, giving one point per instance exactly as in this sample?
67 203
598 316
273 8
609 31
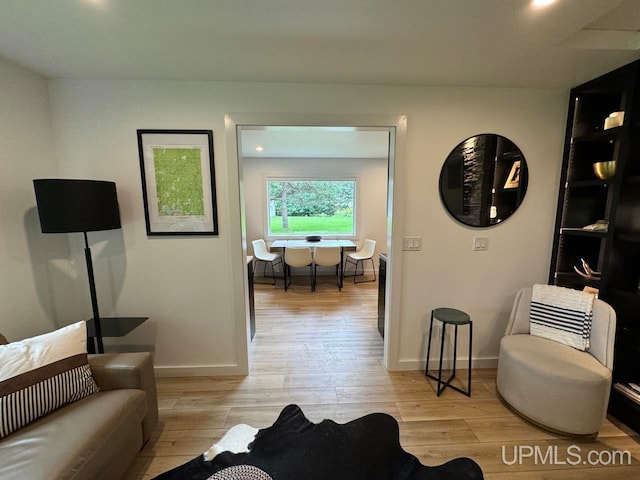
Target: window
299 207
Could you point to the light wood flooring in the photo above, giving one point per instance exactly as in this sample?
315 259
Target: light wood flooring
323 352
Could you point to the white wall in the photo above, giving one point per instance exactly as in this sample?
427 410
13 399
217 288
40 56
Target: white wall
371 178
183 283
36 279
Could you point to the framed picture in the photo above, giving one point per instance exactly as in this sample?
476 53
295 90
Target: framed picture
178 182
513 180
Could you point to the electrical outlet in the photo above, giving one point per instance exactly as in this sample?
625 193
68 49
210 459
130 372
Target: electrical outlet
480 244
412 243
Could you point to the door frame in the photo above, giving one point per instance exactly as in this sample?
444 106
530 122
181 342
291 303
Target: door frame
397 125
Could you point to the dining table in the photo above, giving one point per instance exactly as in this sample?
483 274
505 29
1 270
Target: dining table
342 244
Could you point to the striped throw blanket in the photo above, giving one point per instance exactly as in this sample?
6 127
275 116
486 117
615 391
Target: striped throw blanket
561 314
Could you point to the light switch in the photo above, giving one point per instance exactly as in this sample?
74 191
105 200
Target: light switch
412 243
480 243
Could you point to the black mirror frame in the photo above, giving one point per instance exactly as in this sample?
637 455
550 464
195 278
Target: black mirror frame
482 185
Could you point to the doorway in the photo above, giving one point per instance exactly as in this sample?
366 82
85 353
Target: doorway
393 128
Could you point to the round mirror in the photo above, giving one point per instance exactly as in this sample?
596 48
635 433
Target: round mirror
483 180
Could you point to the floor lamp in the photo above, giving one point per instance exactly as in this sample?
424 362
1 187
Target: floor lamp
67 206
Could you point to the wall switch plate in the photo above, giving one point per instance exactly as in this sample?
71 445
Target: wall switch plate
412 243
480 244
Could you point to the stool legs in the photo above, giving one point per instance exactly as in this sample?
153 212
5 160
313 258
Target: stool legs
444 331
426 370
469 367
442 384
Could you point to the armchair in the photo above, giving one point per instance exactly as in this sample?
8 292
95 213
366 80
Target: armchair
555 386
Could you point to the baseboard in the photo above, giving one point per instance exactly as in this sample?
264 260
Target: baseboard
461 363
403 365
199 371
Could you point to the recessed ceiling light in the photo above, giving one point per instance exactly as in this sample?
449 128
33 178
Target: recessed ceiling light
542 3
259 148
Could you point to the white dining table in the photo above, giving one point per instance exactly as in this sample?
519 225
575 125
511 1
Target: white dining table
305 243
319 244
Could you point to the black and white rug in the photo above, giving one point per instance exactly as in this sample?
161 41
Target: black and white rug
294 448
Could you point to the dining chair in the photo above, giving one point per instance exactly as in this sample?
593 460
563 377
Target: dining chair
326 257
297 257
359 257
262 254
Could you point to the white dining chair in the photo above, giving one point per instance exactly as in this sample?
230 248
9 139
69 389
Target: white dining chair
297 257
359 257
326 257
262 254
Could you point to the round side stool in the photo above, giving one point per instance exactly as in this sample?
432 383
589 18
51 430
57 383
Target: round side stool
449 316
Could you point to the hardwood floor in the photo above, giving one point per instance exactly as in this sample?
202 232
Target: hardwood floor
322 351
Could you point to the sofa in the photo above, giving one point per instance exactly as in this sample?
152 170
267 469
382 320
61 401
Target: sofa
96 437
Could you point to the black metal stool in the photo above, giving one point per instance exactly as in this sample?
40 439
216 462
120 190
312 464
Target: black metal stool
449 316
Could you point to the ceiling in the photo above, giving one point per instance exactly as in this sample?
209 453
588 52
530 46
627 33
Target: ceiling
505 43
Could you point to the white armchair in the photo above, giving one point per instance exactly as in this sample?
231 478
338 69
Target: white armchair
555 386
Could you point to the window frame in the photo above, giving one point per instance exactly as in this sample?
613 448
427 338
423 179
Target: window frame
296 178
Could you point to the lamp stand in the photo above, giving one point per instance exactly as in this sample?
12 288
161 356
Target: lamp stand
94 296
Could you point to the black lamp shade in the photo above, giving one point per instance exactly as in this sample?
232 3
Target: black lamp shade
76 205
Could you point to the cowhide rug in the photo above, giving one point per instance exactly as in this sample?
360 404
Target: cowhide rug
294 448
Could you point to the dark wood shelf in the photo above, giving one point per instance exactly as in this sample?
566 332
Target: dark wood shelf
630 295
599 136
588 183
625 390
625 409
628 237
583 199
580 232
632 179
572 278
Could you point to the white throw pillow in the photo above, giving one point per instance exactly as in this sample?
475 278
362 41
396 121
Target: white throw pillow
41 374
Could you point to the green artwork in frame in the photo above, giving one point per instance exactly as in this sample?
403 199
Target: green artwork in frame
178 182
178 175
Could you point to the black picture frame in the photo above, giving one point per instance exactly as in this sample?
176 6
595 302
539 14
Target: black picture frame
513 180
177 171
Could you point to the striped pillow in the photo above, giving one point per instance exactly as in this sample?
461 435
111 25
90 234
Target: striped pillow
41 374
561 314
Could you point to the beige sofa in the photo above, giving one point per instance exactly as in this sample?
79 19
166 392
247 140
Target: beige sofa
97 437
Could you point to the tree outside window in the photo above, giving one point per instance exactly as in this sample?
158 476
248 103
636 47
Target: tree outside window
303 207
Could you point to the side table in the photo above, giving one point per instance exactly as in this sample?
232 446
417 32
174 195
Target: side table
111 327
449 316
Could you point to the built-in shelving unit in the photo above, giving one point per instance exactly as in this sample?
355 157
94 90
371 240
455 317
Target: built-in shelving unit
584 199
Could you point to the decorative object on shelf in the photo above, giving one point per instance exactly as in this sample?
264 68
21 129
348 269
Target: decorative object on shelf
513 180
313 238
587 271
605 170
615 119
587 268
178 182
599 226
483 180
585 275
68 206
628 391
